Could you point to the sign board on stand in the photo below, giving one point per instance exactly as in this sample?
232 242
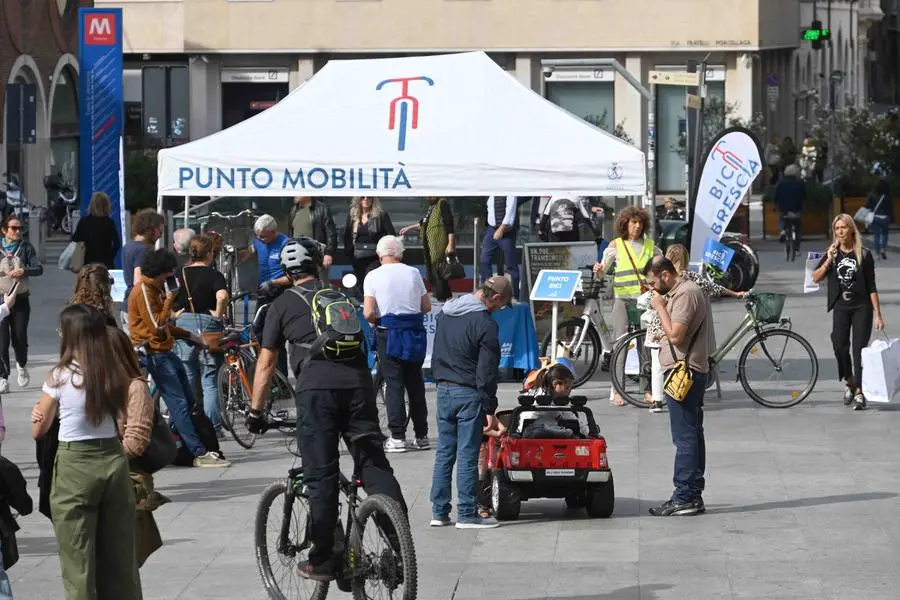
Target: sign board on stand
674 78
566 256
555 287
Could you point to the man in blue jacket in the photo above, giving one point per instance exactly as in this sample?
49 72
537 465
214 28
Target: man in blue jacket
465 361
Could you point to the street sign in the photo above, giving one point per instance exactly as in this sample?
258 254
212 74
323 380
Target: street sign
772 93
674 78
556 286
694 102
772 79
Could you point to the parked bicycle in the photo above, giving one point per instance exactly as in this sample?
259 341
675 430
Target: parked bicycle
767 349
584 338
235 383
388 569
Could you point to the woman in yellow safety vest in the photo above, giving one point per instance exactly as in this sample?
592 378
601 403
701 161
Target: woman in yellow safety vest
630 251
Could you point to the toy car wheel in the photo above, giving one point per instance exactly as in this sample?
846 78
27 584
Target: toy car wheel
576 500
504 499
601 500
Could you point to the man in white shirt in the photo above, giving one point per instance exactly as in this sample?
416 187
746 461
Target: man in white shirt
396 302
500 234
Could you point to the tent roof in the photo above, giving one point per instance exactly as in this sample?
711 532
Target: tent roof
447 125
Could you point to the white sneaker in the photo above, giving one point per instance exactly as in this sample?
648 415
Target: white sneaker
4 385
440 522
395 445
211 460
22 376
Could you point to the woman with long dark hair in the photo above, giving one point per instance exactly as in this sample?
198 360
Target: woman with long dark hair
91 499
853 301
18 263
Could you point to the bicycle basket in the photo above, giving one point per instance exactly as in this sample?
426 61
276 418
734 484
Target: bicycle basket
634 314
767 307
590 288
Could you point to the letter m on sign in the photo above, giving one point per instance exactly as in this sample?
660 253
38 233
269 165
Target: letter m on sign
100 29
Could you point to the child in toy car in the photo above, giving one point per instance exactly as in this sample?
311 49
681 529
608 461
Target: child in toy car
548 447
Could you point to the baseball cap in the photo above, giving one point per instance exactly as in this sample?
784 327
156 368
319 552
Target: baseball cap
501 286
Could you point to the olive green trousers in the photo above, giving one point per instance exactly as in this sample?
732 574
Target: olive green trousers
93 508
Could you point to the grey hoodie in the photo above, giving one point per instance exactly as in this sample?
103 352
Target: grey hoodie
466 348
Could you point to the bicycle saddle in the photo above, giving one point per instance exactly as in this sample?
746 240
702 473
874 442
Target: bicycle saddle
233 336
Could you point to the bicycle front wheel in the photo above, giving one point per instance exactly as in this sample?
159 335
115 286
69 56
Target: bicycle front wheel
277 558
586 357
383 547
234 405
628 362
778 368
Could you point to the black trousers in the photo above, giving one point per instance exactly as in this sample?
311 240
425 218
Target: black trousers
850 331
15 329
324 416
565 236
402 376
361 268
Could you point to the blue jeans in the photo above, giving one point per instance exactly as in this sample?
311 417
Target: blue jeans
198 362
507 245
460 421
879 229
5 587
170 377
686 419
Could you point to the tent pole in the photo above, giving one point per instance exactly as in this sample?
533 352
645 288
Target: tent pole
475 255
187 208
159 209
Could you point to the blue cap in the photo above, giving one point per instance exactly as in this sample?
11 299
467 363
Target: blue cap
567 364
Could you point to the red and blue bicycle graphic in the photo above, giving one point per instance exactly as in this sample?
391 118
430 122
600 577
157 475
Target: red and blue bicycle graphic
404 101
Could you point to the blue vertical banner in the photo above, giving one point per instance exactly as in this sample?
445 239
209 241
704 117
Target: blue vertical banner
101 108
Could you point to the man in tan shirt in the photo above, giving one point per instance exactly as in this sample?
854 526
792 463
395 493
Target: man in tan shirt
684 319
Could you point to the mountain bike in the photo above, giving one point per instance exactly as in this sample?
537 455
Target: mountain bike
235 384
767 348
584 338
359 568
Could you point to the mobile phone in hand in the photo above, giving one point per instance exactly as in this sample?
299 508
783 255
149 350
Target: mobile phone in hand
171 284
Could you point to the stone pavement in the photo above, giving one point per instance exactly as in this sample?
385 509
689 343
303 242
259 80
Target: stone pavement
802 502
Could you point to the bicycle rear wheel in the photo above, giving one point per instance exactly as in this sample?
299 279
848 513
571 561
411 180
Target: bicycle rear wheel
628 362
785 355
277 559
390 564
587 357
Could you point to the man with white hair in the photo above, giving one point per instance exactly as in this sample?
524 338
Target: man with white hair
181 239
272 280
396 303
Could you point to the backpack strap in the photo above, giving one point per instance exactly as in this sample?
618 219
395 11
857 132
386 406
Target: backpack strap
317 345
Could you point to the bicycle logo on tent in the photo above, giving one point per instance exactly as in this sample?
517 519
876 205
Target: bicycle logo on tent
404 101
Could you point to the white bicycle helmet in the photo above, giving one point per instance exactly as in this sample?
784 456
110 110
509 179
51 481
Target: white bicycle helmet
301 256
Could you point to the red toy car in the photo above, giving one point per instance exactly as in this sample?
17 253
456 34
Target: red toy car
551 448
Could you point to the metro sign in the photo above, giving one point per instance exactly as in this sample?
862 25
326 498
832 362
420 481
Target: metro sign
100 29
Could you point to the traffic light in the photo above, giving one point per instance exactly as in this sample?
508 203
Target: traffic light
816 34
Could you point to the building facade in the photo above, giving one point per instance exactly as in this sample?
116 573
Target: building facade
239 56
39 47
841 73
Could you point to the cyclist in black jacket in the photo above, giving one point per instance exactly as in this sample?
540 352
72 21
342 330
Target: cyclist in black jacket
333 399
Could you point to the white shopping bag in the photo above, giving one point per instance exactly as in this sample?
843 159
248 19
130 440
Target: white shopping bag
881 370
633 359
812 261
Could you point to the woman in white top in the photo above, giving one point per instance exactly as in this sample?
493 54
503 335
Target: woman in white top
92 498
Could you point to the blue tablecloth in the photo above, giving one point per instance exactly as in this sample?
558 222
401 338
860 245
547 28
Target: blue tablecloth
518 338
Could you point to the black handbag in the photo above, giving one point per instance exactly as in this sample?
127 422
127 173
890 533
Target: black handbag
364 250
452 268
161 450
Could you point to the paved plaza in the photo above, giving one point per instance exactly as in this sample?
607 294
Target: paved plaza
802 503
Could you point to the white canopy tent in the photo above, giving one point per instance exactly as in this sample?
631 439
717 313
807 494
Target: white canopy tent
448 125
